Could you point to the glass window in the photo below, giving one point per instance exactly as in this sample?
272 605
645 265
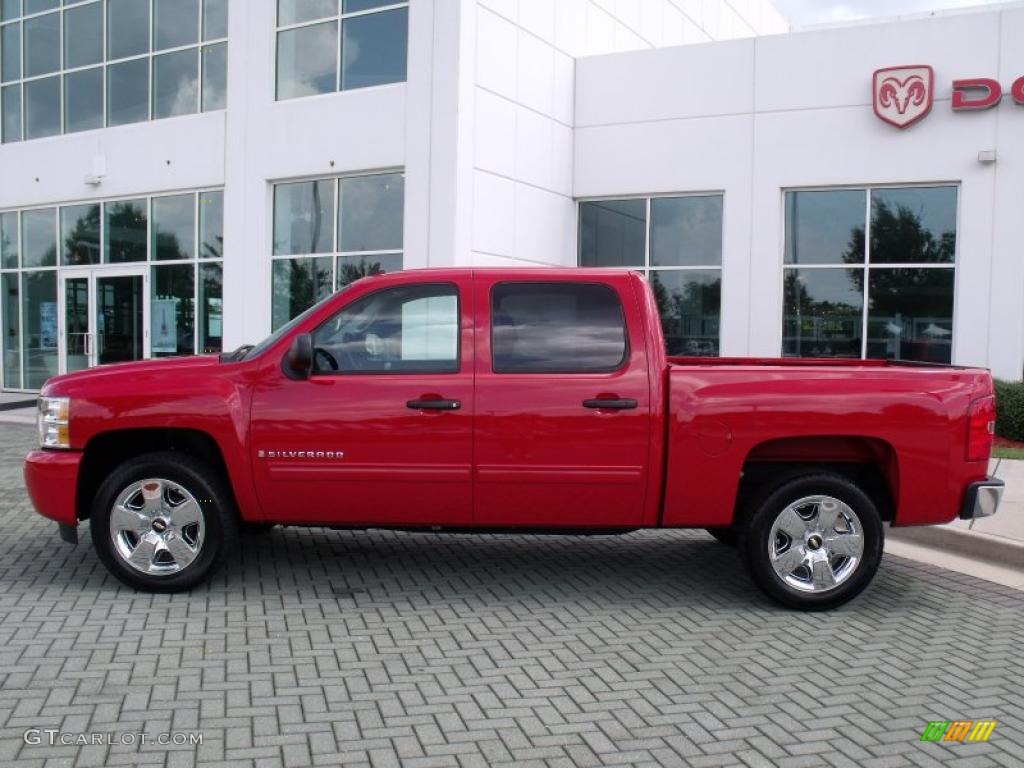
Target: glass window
127 28
124 230
175 84
373 49
369 225
613 233
689 303
10 9
686 231
38 6
298 11
307 60
174 220
215 76
556 328
10 52
42 44
823 311
83 100
825 227
304 217
39 238
80 234
39 320
407 329
370 212
215 19
11 109
211 307
910 314
172 310
128 92
297 284
354 267
9 240
913 225
42 108
175 23
211 225
83 35
677 242
11 329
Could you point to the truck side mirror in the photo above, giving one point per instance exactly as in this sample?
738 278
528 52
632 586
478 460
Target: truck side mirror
298 361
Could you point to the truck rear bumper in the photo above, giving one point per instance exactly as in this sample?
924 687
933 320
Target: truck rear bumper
982 498
51 478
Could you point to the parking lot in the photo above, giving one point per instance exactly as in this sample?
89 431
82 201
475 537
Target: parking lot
315 647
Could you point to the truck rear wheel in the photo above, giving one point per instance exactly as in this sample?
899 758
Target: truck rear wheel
162 522
813 542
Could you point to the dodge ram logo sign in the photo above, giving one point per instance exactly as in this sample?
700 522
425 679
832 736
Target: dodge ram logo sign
903 95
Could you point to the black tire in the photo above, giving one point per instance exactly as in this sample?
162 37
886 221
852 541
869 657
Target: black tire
725 535
219 519
756 539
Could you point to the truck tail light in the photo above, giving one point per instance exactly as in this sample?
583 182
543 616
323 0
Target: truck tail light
981 428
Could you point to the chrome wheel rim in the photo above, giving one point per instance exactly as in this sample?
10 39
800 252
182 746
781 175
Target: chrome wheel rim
816 544
157 527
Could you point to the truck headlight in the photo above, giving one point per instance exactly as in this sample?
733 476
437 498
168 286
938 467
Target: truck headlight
52 419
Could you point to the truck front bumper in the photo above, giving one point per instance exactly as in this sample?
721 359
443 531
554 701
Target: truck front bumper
982 498
51 478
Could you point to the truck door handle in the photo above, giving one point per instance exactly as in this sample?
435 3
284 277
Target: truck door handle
434 405
622 403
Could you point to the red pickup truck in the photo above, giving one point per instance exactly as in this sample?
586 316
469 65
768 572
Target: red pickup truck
499 400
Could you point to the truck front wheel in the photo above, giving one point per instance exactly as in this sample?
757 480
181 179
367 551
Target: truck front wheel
162 522
813 542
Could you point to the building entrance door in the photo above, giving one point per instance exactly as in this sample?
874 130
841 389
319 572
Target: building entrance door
104 317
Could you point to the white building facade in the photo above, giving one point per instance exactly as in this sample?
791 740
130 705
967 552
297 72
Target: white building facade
178 176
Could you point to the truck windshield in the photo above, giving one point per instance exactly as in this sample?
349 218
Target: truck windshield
273 338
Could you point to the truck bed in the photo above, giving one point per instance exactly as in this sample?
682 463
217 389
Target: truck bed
906 422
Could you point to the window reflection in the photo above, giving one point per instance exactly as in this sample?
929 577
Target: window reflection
39 238
556 328
686 231
125 231
612 233
297 285
370 212
373 49
910 314
80 234
304 217
825 227
689 303
175 83
823 310
913 225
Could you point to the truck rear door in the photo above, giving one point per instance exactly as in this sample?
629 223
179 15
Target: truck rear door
563 404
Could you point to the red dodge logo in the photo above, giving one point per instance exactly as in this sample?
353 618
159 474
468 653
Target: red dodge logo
903 95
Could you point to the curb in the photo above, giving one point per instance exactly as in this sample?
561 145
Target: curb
957 541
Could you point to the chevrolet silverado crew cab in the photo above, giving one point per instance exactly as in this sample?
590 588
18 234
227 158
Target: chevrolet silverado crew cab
510 400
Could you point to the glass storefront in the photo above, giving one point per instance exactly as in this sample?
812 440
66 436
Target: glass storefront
870 273
100 282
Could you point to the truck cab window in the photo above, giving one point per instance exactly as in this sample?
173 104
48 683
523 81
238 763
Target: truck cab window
556 328
406 329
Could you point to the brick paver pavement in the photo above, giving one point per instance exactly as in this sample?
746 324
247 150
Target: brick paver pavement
316 647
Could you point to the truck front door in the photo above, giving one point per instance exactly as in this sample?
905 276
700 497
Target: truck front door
563 403
381 432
